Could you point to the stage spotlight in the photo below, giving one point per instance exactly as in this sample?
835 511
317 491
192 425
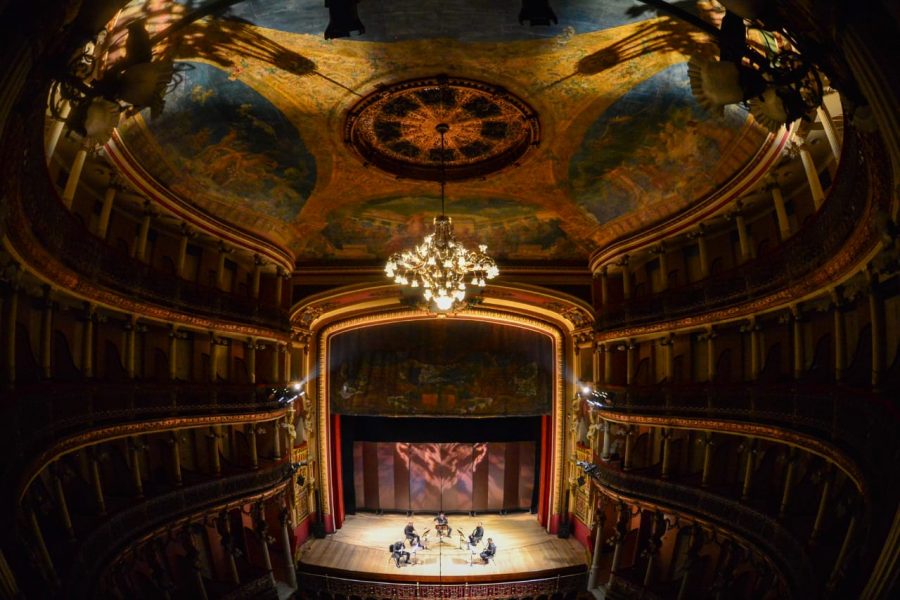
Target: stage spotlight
586 389
297 385
537 12
342 19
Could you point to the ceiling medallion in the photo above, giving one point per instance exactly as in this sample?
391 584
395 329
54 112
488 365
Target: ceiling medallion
395 128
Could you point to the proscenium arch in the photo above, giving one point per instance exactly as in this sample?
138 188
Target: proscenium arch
563 351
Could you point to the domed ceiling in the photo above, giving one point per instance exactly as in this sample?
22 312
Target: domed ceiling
593 121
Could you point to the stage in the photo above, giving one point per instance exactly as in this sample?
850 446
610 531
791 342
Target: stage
359 550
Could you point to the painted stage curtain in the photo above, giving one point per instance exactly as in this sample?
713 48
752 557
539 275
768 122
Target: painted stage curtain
429 477
440 368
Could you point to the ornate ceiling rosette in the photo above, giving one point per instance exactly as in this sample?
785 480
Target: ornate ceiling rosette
394 128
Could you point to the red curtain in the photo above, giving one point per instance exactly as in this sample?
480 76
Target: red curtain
337 485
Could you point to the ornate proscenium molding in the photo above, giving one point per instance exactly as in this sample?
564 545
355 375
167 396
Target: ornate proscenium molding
511 320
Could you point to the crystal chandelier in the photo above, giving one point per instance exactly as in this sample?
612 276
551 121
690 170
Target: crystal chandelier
440 265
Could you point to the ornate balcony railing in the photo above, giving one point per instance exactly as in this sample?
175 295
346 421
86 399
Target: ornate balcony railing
36 213
39 415
562 584
765 533
818 243
96 553
859 424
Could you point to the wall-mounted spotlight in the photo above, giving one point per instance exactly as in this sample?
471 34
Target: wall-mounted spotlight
537 12
342 19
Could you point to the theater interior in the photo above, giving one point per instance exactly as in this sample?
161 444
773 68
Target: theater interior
617 280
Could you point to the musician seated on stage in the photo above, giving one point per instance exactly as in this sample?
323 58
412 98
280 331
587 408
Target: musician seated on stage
410 532
476 535
398 552
489 551
441 524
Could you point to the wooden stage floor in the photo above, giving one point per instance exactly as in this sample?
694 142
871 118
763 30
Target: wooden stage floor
359 550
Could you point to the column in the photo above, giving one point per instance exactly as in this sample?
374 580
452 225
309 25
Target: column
175 457
840 336
285 350
788 483
135 447
876 317
693 554
74 175
47 333
250 347
629 444
87 341
250 430
838 569
284 517
56 130
607 362
215 462
750 453
173 353
97 482
711 354
9 325
830 132
213 357
182 250
607 440
708 444
598 545
223 526
668 344
702 252
63 506
812 175
192 556
784 225
631 350
220 268
623 520
42 547
261 529
823 506
755 351
660 252
654 543
258 264
666 452
130 326
626 277
106 212
280 275
140 251
797 335
276 350
604 285
740 223
276 438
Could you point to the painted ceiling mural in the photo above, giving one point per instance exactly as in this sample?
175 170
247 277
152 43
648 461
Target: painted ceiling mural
254 131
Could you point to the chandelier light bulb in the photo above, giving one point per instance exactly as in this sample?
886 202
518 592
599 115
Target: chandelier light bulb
440 262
